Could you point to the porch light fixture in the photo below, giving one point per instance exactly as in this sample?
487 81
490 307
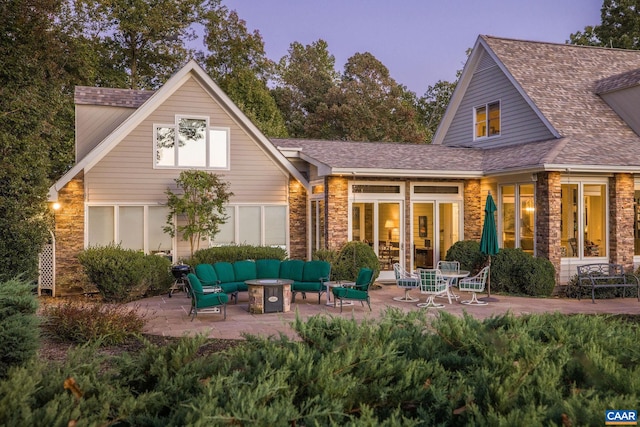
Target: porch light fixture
56 206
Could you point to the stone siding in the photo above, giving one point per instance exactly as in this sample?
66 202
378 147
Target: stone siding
472 210
298 223
69 234
548 216
337 211
621 192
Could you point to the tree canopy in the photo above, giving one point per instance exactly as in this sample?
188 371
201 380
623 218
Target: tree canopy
620 26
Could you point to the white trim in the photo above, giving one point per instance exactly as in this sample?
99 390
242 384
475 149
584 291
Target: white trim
147 108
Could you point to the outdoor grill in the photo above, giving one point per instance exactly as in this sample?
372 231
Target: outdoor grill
179 273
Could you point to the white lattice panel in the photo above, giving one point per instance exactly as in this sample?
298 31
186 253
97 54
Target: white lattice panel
46 265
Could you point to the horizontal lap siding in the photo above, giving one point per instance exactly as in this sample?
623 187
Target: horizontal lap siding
519 123
126 174
94 123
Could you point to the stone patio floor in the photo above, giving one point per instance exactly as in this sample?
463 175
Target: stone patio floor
169 315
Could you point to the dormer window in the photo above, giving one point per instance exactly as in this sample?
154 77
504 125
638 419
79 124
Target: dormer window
487 120
191 143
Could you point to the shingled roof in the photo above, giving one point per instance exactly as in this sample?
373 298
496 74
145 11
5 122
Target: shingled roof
562 81
111 97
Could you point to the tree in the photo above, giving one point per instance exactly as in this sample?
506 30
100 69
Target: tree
33 105
620 26
433 104
303 80
238 63
199 210
368 105
142 39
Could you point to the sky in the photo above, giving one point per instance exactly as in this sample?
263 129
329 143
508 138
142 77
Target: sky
419 41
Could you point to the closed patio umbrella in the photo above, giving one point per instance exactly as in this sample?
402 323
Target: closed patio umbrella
489 239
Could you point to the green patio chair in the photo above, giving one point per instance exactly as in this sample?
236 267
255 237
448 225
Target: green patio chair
205 302
357 291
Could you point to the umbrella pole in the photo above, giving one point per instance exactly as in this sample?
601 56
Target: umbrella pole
489 298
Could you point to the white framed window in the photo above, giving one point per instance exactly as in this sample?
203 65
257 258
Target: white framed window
486 119
191 142
136 227
584 218
259 225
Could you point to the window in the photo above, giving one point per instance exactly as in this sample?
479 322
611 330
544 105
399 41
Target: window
584 220
191 143
254 225
487 120
518 216
135 227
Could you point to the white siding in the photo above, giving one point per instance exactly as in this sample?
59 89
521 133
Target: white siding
519 123
126 174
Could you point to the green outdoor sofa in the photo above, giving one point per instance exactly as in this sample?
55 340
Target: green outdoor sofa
307 276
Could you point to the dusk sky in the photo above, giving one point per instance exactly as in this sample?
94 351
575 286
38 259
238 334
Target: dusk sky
419 41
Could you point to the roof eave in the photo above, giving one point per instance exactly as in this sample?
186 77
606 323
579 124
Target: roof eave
401 173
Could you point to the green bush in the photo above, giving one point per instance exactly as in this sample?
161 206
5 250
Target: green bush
404 369
467 253
571 290
83 321
328 255
351 258
514 271
18 324
124 274
233 253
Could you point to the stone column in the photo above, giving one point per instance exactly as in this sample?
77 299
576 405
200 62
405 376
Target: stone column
472 210
548 217
69 234
621 191
298 221
337 211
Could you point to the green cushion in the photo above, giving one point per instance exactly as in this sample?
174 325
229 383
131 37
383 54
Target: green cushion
349 293
244 270
307 287
268 268
210 300
364 278
224 270
194 282
292 269
206 274
314 271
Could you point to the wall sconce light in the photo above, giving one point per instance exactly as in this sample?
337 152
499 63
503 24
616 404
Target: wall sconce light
56 206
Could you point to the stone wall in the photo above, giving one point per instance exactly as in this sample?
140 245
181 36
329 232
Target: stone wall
298 222
548 217
472 210
69 234
621 191
337 211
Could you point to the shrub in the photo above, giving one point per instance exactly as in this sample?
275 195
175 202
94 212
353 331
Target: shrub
516 272
81 321
18 324
328 255
233 253
467 253
351 258
124 274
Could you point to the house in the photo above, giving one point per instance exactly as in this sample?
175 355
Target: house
550 129
130 147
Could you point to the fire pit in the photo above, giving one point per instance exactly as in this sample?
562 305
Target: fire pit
179 272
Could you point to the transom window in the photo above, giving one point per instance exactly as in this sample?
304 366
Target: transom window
191 143
487 120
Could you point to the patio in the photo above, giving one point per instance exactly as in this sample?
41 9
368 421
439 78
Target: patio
169 316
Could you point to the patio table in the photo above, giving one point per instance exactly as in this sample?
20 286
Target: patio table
452 277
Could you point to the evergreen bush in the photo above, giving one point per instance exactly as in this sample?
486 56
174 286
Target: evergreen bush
351 258
18 324
516 272
403 369
233 253
124 274
467 253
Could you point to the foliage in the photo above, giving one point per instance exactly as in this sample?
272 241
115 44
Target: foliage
236 60
124 274
619 27
83 321
18 324
433 104
516 272
304 77
573 290
233 253
351 258
328 255
200 209
143 39
404 369
467 253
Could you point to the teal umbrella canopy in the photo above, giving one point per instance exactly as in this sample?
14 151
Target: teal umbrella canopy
489 239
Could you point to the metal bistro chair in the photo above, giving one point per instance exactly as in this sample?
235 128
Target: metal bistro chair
474 284
406 281
433 284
